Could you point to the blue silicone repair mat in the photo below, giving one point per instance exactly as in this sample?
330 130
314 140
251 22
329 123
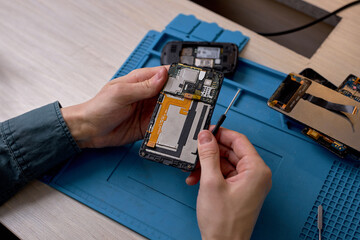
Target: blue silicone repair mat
153 199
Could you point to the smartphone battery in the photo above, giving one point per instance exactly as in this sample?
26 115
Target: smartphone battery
208 52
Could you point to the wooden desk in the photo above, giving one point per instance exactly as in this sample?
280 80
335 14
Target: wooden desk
67 50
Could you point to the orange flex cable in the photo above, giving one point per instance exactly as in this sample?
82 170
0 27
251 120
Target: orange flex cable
162 116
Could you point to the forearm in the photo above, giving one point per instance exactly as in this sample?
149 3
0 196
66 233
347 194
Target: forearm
36 141
30 145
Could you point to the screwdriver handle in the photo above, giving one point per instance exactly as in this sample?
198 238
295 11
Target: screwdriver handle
218 124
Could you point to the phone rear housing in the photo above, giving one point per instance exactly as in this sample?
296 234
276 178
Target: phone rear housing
219 56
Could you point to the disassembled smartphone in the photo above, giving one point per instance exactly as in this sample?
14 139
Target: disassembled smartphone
332 119
222 57
350 88
184 107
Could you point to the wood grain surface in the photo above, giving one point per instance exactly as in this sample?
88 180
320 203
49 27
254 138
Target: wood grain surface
67 50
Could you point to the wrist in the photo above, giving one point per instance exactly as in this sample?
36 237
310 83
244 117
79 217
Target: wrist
76 122
232 230
239 236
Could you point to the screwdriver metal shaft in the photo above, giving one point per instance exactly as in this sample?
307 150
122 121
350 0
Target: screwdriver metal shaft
320 220
223 116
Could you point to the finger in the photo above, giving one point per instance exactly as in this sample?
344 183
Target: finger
254 168
133 92
238 142
146 111
229 154
209 158
194 177
232 174
227 169
141 74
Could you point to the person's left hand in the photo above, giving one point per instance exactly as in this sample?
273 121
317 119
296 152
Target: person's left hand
119 113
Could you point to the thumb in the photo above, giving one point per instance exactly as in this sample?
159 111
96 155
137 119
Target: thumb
209 156
145 89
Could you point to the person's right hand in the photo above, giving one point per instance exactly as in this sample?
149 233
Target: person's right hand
234 182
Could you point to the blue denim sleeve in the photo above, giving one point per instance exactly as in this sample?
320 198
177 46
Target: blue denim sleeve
31 144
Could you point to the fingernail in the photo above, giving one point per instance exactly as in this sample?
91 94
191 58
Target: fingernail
204 137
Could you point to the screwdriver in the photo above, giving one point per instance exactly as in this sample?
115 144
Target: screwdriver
320 220
222 118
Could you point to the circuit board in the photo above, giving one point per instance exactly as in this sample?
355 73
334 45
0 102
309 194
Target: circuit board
351 87
184 107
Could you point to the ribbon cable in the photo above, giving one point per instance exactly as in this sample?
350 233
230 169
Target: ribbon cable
334 107
329 105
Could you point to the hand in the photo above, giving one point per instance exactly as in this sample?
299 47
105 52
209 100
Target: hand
234 182
120 112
